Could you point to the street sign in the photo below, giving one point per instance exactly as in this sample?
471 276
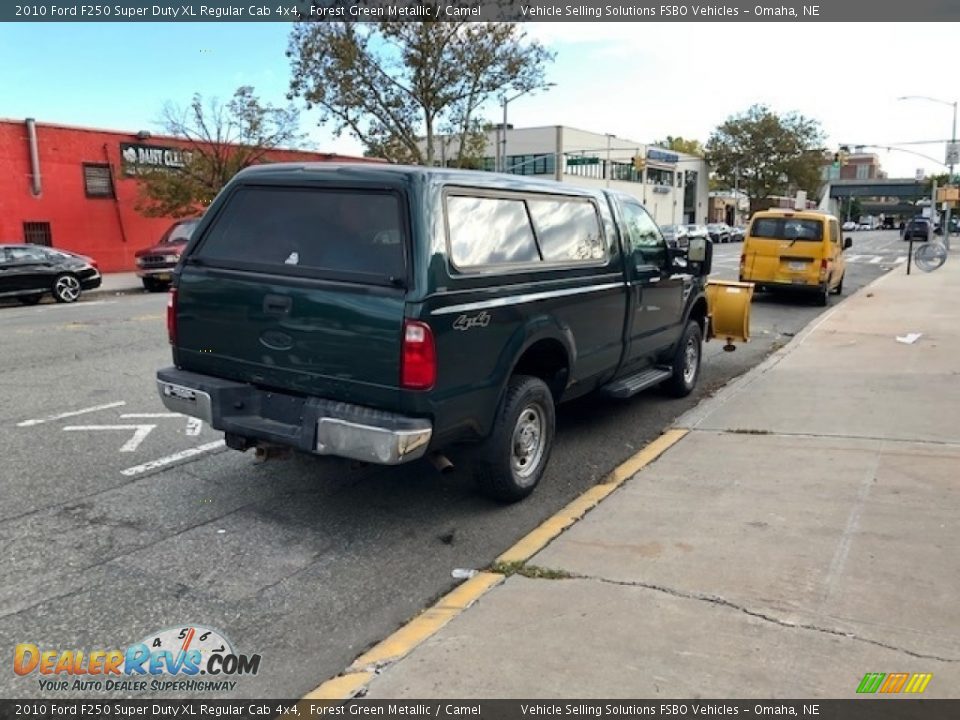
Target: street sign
801 200
953 153
920 174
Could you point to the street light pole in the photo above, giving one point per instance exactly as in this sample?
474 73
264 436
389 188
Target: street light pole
953 145
953 141
506 101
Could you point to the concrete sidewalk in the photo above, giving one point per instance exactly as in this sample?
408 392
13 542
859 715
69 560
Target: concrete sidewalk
803 532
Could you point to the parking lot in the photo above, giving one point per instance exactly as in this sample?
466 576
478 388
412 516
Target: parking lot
119 518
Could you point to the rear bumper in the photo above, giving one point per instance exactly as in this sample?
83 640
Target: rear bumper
166 272
796 286
315 425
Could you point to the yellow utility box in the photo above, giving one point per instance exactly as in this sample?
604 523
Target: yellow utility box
948 194
728 303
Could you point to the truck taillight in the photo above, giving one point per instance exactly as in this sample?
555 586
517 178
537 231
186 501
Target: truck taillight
418 360
172 316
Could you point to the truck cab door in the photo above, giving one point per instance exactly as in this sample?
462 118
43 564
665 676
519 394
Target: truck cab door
655 292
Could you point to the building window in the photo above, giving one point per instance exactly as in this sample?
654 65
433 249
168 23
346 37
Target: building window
659 176
37 233
625 172
584 166
97 180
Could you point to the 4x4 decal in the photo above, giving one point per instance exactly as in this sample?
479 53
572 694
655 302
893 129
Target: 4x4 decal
465 322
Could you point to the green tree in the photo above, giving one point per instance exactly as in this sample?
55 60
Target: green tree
767 154
219 140
395 85
682 145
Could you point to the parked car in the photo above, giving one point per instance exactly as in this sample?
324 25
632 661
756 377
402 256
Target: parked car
697 231
155 264
28 272
386 313
736 233
795 250
917 228
849 225
719 232
676 236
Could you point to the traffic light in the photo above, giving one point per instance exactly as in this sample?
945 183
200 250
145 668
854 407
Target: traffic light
639 163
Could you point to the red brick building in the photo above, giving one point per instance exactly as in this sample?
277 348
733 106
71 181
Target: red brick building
76 188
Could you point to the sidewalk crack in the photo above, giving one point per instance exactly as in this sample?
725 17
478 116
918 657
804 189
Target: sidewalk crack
722 602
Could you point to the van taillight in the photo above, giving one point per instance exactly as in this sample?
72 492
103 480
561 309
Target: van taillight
418 360
823 265
172 316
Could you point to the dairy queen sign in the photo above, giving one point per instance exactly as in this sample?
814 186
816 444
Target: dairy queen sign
143 158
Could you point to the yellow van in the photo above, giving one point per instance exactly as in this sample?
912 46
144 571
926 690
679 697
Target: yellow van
795 250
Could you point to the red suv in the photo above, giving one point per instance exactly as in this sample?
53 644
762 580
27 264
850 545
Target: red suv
155 264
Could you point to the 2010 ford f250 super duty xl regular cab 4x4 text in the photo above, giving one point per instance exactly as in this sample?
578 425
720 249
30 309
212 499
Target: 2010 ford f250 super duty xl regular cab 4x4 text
382 312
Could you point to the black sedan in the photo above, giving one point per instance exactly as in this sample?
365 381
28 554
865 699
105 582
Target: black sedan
719 232
28 272
917 229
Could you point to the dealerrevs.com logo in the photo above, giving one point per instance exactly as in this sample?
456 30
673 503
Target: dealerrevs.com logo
186 658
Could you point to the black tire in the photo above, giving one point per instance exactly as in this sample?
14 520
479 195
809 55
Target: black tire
29 299
526 415
839 289
823 295
66 288
151 285
689 350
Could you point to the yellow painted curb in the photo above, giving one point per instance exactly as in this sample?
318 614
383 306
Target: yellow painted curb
400 643
539 537
342 687
427 623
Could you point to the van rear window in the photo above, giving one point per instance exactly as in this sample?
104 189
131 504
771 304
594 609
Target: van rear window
787 229
309 231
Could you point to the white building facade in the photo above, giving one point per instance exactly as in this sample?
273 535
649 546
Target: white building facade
672 186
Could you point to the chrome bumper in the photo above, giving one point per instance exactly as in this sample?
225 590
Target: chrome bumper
315 425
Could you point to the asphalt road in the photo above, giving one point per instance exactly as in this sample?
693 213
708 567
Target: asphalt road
123 520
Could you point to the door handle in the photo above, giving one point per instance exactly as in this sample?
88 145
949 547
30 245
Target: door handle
277 305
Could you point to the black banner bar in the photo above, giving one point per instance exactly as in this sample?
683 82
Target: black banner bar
859 11
853 709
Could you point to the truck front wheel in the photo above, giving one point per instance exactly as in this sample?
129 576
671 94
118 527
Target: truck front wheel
512 460
686 362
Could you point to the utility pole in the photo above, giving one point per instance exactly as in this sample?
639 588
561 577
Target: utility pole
953 146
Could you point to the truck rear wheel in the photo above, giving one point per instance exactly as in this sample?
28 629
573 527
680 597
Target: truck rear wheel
512 460
686 362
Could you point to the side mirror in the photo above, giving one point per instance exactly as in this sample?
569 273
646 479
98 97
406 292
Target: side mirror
847 243
700 255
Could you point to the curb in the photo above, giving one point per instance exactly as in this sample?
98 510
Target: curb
415 632
694 417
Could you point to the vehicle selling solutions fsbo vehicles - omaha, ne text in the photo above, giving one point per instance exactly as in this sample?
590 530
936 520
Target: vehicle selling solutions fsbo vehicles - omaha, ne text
381 313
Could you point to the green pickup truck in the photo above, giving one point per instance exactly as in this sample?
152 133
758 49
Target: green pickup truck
386 313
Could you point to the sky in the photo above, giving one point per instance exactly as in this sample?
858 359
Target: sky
641 81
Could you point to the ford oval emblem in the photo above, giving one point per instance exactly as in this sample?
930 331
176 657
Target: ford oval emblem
276 340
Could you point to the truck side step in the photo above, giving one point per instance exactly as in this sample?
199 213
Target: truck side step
631 385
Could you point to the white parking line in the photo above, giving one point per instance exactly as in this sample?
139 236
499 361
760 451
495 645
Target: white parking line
140 433
150 415
72 413
154 464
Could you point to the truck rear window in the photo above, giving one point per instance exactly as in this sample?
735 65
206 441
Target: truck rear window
787 229
309 231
